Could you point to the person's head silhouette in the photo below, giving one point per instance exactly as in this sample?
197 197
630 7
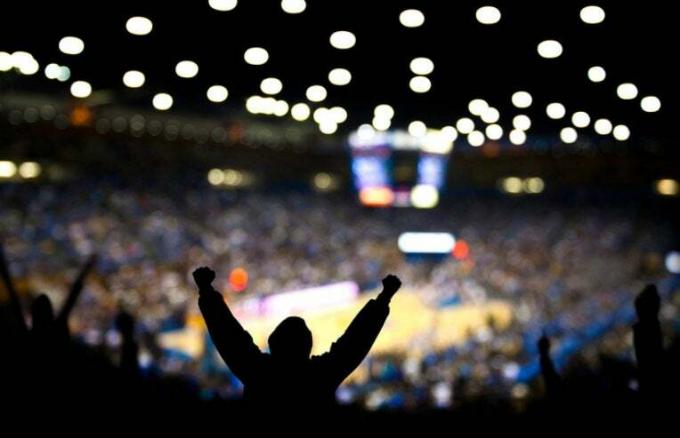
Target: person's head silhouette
42 313
291 341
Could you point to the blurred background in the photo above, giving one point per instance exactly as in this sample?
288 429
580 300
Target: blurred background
514 163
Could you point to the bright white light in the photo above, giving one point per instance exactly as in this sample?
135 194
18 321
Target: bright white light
81 89
328 127
465 125
338 114
71 45
52 71
271 86
411 18
384 111
300 111
420 84
422 66
426 243
162 101
521 122
522 99
512 184
293 6
316 93
555 110
491 115
603 126
597 74
139 26
425 196
477 107
6 62
186 69
133 79
488 15
29 169
365 132
217 93
436 142
568 135
7 169
25 62
381 123
494 132
450 133
650 104
673 258
280 108
627 91
475 138
215 177
533 185
322 115
592 15
30 67
417 128
517 137
621 132
65 74
550 49
256 56
343 40
580 119
339 76
223 5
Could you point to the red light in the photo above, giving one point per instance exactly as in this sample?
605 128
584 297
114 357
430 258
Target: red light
238 279
461 251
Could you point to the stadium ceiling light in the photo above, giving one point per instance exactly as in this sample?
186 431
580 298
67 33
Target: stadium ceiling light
339 77
521 122
522 99
476 138
555 110
494 132
627 91
650 104
411 18
550 49
568 135
420 84
465 125
139 26
300 112
256 56
603 126
316 93
597 74
293 6
223 5
517 137
162 101
217 93
580 119
343 40
488 15
490 115
592 15
81 89
134 79
271 86
621 132
422 66
417 128
71 45
186 69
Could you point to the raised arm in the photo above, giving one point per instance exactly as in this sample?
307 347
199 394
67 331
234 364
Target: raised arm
232 341
352 347
18 314
74 292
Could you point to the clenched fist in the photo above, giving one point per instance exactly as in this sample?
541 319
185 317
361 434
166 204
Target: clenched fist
204 277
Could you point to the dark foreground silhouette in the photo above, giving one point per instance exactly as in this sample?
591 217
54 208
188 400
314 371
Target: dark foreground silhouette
288 378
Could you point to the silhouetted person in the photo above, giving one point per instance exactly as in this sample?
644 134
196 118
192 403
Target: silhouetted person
552 380
288 378
648 342
129 358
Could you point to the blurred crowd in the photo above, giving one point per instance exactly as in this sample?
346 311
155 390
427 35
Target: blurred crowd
569 271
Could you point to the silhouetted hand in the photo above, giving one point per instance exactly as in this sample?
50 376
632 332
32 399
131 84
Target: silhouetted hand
204 277
544 345
647 304
391 285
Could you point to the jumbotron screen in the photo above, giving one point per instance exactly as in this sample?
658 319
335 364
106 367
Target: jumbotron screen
396 169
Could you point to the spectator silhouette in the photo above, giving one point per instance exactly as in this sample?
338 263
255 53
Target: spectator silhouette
648 342
551 379
288 378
